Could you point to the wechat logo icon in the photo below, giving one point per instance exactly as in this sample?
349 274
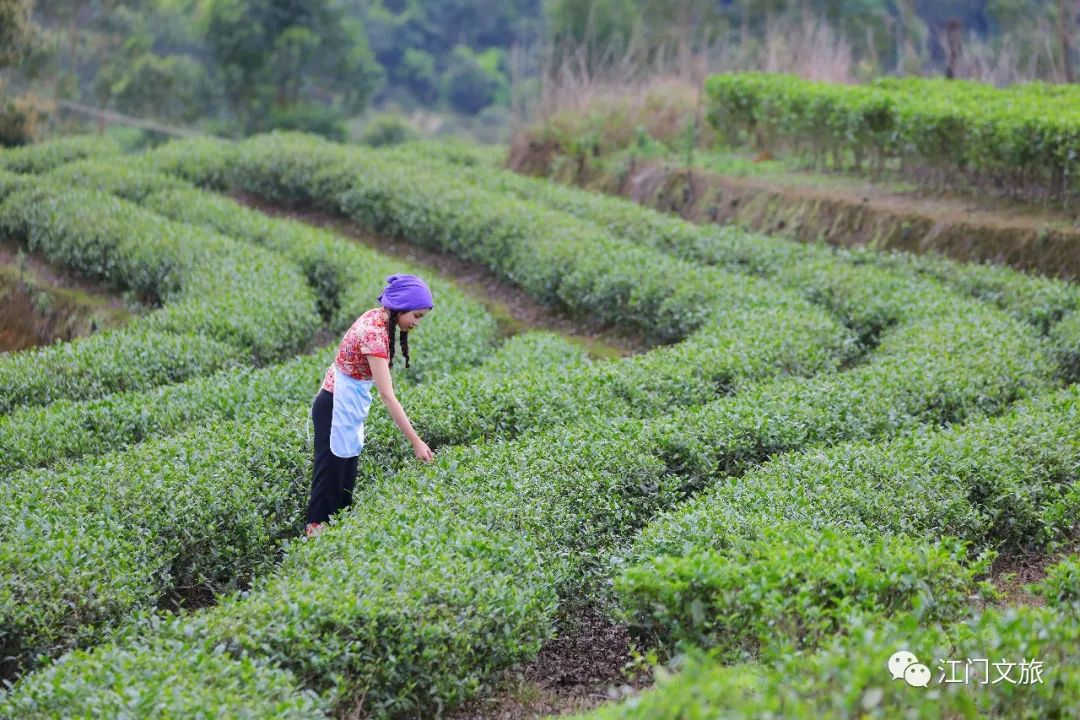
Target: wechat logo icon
903 665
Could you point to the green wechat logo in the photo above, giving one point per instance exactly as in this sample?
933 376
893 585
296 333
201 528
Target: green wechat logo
903 665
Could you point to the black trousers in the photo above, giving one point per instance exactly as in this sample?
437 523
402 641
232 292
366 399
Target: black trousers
334 477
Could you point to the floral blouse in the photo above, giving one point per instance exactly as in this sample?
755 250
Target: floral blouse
369 335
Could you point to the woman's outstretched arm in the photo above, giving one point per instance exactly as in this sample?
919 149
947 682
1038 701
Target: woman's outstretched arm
380 372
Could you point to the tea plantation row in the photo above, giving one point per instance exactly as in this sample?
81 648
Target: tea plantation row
1023 137
441 575
589 548
742 348
847 277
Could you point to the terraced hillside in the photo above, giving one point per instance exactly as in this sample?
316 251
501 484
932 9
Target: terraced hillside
818 456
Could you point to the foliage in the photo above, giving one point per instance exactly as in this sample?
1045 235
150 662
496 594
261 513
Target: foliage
850 677
43 157
870 300
1061 586
792 589
1023 137
469 84
19 121
226 65
138 80
165 695
809 400
240 302
16 30
387 129
1003 482
273 56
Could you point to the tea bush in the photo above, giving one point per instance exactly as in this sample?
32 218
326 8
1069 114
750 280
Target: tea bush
221 300
792 589
42 157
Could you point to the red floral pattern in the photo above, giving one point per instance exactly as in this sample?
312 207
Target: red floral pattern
369 335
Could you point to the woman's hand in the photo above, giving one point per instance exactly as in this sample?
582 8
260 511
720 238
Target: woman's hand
380 372
422 451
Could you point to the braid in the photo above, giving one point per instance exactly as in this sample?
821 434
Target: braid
393 336
392 329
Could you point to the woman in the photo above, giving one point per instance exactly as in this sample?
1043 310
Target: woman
339 410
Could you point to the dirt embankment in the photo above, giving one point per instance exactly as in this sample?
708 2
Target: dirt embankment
1029 238
41 305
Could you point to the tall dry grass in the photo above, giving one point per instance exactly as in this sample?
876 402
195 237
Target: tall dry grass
606 100
1009 59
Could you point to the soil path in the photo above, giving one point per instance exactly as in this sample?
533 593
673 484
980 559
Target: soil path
586 665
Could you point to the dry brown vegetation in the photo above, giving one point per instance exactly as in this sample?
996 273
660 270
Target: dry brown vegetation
42 305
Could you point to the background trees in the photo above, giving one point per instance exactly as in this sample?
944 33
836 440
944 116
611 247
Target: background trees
241 66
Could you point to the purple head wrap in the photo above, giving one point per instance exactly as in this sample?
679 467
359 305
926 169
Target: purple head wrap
405 293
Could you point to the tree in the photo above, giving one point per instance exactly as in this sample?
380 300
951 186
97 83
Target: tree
417 74
16 30
273 54
468 85
138 80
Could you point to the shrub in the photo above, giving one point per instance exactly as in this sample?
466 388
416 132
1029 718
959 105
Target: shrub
228 293
387 129
792 589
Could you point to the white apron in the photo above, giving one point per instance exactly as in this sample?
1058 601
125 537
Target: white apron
352 398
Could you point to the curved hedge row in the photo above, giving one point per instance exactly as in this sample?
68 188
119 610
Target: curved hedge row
337 268
174 689
43 157
295 241
964 336
712 361
816 270
937 371
554 258
1008 482
460 334
223 301
436 578
474 409
289 168
116 176
331 265
442 574
785 317
780 354
84 546
792 588
849 678
586 548
345 276
377 191
469 406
